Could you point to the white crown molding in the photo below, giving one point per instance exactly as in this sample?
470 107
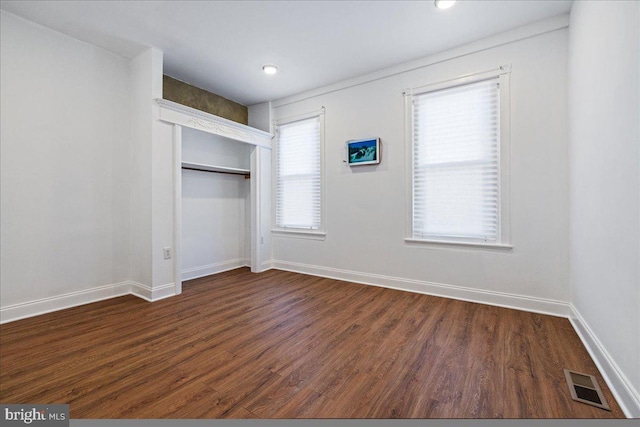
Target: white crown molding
179 114
522 33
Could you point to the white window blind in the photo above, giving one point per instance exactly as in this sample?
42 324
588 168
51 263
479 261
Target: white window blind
456 164
298 175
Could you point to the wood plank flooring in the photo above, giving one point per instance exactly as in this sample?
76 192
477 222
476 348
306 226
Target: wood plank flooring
285 345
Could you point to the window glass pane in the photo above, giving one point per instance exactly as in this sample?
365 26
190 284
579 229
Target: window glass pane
456 163
298 175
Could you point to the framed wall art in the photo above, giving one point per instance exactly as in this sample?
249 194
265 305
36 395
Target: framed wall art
363 151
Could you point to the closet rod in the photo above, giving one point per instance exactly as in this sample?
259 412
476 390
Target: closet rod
214 168
245 174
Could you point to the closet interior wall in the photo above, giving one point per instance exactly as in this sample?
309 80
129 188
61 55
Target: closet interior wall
216 207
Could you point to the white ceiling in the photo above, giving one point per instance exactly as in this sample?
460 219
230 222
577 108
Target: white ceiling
221 46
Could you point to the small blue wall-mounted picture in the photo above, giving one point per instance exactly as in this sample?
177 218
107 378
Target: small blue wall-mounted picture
363 151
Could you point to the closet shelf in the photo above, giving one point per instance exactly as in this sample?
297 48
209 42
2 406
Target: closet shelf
214 168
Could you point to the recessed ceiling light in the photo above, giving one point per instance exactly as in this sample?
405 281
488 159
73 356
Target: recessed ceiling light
444 4
270 69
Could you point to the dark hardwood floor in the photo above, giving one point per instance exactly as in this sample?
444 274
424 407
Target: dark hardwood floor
285 345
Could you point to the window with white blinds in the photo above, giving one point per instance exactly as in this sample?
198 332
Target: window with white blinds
456 163
298 175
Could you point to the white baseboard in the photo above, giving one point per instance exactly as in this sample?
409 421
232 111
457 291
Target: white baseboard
500 299
207 270
627 397
60 302
27 309
266 265
152 294
73 299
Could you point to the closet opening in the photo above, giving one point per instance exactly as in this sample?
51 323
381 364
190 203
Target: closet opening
221 194
215 204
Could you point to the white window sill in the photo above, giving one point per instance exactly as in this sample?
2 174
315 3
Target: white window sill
299 234
427 242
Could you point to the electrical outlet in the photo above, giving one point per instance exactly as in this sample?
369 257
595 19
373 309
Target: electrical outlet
167 252
261 240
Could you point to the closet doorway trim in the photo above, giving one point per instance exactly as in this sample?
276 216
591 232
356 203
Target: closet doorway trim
182 116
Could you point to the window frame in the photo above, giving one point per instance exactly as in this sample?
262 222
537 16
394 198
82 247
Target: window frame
502 73
299 232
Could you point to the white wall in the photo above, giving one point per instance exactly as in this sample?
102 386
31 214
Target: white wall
260 116
87 174
266 245
366 206
207 148
65 171
152 181
161 194
604 77
141 139
260 201
215 207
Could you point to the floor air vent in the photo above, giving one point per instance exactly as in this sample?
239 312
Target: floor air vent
584 388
